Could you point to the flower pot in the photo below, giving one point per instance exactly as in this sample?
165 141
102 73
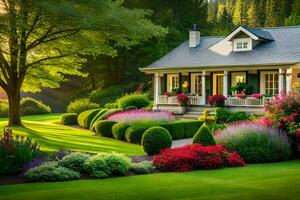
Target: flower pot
181 110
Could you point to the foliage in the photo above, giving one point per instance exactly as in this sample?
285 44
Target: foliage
97 117
69 119
50 171
119 130
111 106
155 139
107 114
237 116
144 167
182 99
105 165
284 112
4 108
135 134
131 108
80 105
255 143
74 161
15 152
137 100
191 127
85 118
206 118
104 128
204 136
217 100
192 157
176 129
30 106
90 117
132 116
222 115
241 88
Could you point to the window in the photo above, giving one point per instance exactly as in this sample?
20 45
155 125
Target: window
269 83
196 87
238 77
242 44
173 82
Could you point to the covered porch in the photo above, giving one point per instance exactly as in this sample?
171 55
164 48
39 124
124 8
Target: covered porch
199 84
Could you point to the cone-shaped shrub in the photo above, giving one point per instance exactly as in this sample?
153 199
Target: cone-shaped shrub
155 139
204 136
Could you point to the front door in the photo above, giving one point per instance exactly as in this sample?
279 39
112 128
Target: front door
218 84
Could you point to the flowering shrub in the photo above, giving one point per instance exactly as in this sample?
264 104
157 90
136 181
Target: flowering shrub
15 152
168 94
195 156
131 116
182 99
217 100
284 112
257 96
256 143
234 160
241 95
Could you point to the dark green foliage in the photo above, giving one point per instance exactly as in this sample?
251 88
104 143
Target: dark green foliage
137 100
80 105
99 114
90 117
176 129
50 171
155 139
85 118
30 106
238 116
104 128
97 167
119 130
191 127
135 134
204 136
222 115
69 119
130 108
109 113
15 152
74 161
4 108
145 167
111 106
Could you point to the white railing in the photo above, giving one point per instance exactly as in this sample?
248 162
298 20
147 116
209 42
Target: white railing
171 100
248 101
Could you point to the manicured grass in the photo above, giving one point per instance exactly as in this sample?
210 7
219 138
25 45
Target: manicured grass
262 181
52 136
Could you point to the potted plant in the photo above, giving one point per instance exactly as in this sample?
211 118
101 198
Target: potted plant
183 100
241 95
257 96
241 88
217 100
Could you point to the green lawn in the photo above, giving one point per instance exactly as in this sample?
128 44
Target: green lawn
52 136
262 181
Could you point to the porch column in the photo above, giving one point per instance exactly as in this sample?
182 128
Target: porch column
225 83
157 87
203 88
288 80
281 80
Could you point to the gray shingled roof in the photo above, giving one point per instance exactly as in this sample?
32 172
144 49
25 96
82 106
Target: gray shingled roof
283 50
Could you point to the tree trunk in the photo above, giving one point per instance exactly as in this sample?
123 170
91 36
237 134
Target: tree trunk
14 114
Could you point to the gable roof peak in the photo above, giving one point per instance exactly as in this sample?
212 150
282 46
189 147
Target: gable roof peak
254 33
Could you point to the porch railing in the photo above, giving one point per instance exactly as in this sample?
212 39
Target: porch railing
171 100
248 101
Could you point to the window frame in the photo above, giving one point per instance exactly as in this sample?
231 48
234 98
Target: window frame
233 82
242 42
170 82
194 84
263 85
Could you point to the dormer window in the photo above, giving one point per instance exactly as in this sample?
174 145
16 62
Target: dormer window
242 44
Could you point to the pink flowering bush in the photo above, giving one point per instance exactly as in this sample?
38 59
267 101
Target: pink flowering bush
168 94
257 96
217 100
241 95
132 116
284 112
182 99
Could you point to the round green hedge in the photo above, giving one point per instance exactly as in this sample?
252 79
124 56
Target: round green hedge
155 139
134 135
136 100
119 130
104 128
204 136
69 119
97 116
85 117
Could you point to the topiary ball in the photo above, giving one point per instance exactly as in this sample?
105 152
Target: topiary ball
119 130
104 128
204 136
134 135
69 119
155 139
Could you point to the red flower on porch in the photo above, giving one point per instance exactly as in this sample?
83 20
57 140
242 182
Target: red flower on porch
168 94
257 96
182 99
241 95
217 100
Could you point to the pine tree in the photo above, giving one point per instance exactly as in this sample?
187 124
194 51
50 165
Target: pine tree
254 14
238 13
275 13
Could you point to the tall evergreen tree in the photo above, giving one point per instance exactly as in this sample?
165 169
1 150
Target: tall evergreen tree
275 13
237 17
254 14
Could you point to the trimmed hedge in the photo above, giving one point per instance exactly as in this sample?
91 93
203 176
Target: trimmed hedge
119 130
85 117
204 136
136 100
191 127
104 128
176 129
99 114
155 139
238 116
31 106
134 135
69 119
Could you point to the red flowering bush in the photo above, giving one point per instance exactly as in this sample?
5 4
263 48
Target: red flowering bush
182 99
257 96
196 156
241 95
217 100
168 94
284 112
